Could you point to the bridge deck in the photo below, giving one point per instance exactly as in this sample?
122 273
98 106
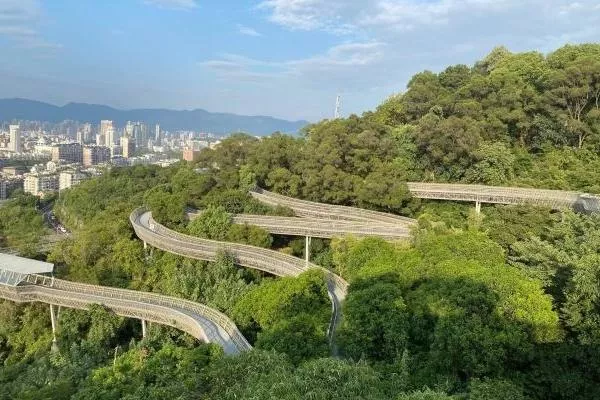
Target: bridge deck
198 320
493 194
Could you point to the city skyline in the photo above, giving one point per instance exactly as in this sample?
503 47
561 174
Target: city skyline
284 58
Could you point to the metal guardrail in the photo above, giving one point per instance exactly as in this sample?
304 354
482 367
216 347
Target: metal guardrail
424 190
493 194
270 261
305 208
319 227
320 220
196 319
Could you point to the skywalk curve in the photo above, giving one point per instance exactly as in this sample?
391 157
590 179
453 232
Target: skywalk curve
322 211
198 320
270 261
500 194
319 227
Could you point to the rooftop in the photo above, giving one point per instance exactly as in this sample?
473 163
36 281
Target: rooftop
13 268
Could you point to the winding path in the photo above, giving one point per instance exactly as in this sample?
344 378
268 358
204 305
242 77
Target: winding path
273 262
316 220
494 194
436 191
318 227
198 320
311 209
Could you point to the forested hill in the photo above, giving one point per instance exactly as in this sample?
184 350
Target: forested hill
523 119
22 109
499 305
477 124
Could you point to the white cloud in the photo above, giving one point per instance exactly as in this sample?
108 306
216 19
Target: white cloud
382 43
247 31
343 55
408 14
309 15
19 20
351 16
17 31
19 10
173 4
341 60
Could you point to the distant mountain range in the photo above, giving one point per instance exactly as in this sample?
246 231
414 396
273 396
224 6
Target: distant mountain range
197 120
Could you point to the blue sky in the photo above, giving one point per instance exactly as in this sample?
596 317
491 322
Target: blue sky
285 58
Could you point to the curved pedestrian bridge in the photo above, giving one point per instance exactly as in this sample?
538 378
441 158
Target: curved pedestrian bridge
198 320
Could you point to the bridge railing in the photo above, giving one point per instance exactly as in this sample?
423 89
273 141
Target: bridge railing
267 260
158 299
161 314
493 194
310 208
149 299
253 253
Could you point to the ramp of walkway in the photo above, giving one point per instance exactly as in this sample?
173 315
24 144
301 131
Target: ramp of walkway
198 320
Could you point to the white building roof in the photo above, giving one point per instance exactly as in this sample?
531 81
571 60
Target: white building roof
20 265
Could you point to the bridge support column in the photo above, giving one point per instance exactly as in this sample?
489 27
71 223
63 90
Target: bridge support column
307 250
144 329
478 207
145 245
53 320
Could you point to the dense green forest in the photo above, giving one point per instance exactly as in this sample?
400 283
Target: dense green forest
502 305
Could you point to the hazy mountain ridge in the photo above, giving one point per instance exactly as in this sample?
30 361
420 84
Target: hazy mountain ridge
198 119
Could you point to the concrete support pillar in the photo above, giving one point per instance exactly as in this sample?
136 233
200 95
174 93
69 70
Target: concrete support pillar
145 245
478 207
144 329
307 250
54 322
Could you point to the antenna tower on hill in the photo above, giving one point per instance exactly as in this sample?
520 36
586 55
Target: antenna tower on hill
338 107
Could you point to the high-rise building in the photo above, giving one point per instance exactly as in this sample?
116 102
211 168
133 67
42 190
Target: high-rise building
9 184
107 133
116 151
137 132
157 135
100 140
145 136
191 155
140 134
15 138
37 183
67 179
94 155
110 136
67 152
129 129
84 133
3 189
87 133
128 147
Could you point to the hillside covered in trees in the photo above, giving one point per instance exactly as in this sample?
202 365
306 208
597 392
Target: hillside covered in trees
502 305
